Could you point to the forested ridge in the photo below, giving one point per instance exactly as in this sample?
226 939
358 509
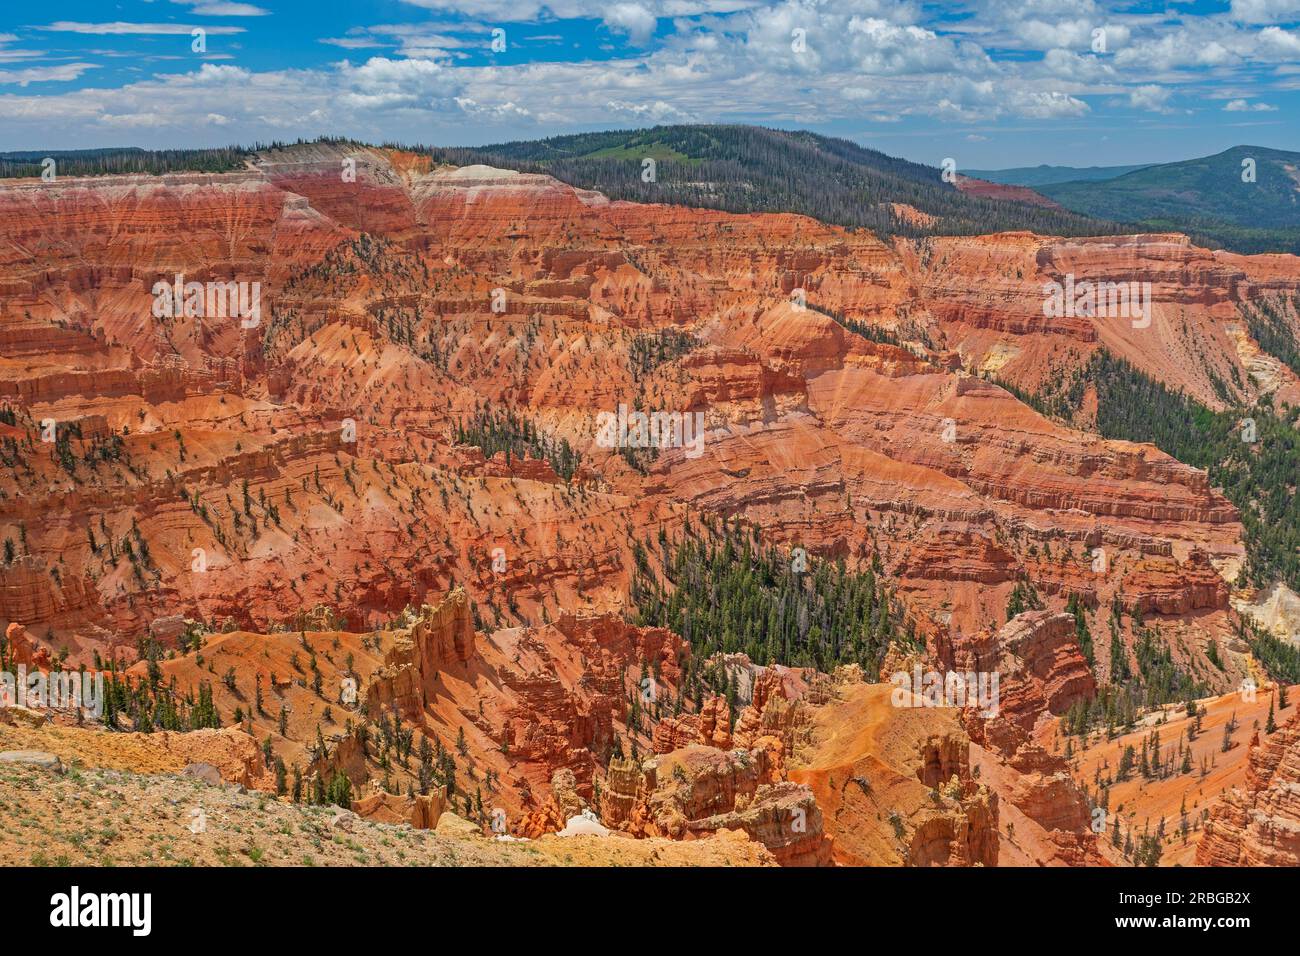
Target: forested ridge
738 169
747 169
123 161
1241 199
1250 453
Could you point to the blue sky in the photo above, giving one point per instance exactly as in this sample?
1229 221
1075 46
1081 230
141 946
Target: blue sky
992 83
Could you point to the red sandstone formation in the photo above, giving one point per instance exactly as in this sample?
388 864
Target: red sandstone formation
696 790
528 703
813 432
895 784
707 777
238 477
420 811
987 294
1042 668
22 648
1258 824
440 638
772 713
1042 673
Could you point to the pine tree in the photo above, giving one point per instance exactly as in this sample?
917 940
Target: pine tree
340 790
1126 761
425 774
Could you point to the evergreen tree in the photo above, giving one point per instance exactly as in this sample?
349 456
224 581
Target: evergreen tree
340 790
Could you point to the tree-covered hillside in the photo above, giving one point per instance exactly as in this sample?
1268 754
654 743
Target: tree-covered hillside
124 161
754 169
724 590
1208 198
1035 176
1250 453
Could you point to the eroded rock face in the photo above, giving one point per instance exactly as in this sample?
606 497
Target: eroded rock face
700 781
698 790
1036 657
22 648
235 754
1192 585
705 777
226 448
988 291
1259 824
420 811
895 785
1043 669
964 838
773 711
1042 673
622 799
566 717
441 637
553 815
1053 801
813 432
782 816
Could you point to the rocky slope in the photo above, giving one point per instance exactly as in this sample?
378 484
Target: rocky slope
987 294
896 786
1258 823
813 432
293 487
91 817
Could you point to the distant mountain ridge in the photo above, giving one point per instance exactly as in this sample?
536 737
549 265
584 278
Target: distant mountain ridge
1246 199
1044 175
756 169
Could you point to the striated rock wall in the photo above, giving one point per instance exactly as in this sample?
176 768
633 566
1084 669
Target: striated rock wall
1258 824
813 432
1043 667
230 442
